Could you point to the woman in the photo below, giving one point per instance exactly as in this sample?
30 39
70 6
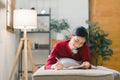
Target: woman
75 48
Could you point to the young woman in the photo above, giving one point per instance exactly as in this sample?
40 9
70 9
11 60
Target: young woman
75 48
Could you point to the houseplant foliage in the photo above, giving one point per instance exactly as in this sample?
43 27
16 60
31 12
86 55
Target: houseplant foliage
98 43
59 25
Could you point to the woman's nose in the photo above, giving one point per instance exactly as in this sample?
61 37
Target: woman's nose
76 45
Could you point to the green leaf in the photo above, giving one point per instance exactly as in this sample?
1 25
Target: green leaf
59 25
98 42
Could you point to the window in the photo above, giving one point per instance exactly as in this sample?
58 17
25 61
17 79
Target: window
9 15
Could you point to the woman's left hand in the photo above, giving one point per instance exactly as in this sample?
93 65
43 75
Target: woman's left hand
85 65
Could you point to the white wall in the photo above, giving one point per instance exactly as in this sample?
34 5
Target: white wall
8 44
75 11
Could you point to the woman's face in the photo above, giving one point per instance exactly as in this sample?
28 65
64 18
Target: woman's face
76 42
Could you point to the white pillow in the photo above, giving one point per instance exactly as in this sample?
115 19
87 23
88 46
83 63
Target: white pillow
68 62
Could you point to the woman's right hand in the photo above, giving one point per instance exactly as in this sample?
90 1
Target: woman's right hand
57 66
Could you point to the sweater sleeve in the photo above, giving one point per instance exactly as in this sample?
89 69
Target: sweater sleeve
86 54
52 57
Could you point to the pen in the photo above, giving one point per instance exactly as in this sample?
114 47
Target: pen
57 59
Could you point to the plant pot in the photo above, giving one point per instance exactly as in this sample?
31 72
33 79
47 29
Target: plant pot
60 36
96 59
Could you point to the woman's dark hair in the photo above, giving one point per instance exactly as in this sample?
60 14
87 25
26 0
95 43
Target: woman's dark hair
80 31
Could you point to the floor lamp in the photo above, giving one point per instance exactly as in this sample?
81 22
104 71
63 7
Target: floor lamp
24 19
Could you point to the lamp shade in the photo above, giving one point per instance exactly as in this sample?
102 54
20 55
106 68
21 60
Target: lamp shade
25 18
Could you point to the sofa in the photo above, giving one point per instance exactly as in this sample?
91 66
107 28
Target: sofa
97 73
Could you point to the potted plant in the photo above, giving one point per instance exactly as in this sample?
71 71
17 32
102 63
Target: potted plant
58 25
98 43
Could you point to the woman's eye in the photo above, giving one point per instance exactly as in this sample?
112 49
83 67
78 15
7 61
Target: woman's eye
76 41
81 44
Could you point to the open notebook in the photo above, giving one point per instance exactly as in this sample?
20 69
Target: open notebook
70 63
74 67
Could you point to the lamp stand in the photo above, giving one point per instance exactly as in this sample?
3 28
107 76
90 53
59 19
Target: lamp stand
27 47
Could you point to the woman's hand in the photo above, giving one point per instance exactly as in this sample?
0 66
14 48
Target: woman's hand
57 66
85 65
